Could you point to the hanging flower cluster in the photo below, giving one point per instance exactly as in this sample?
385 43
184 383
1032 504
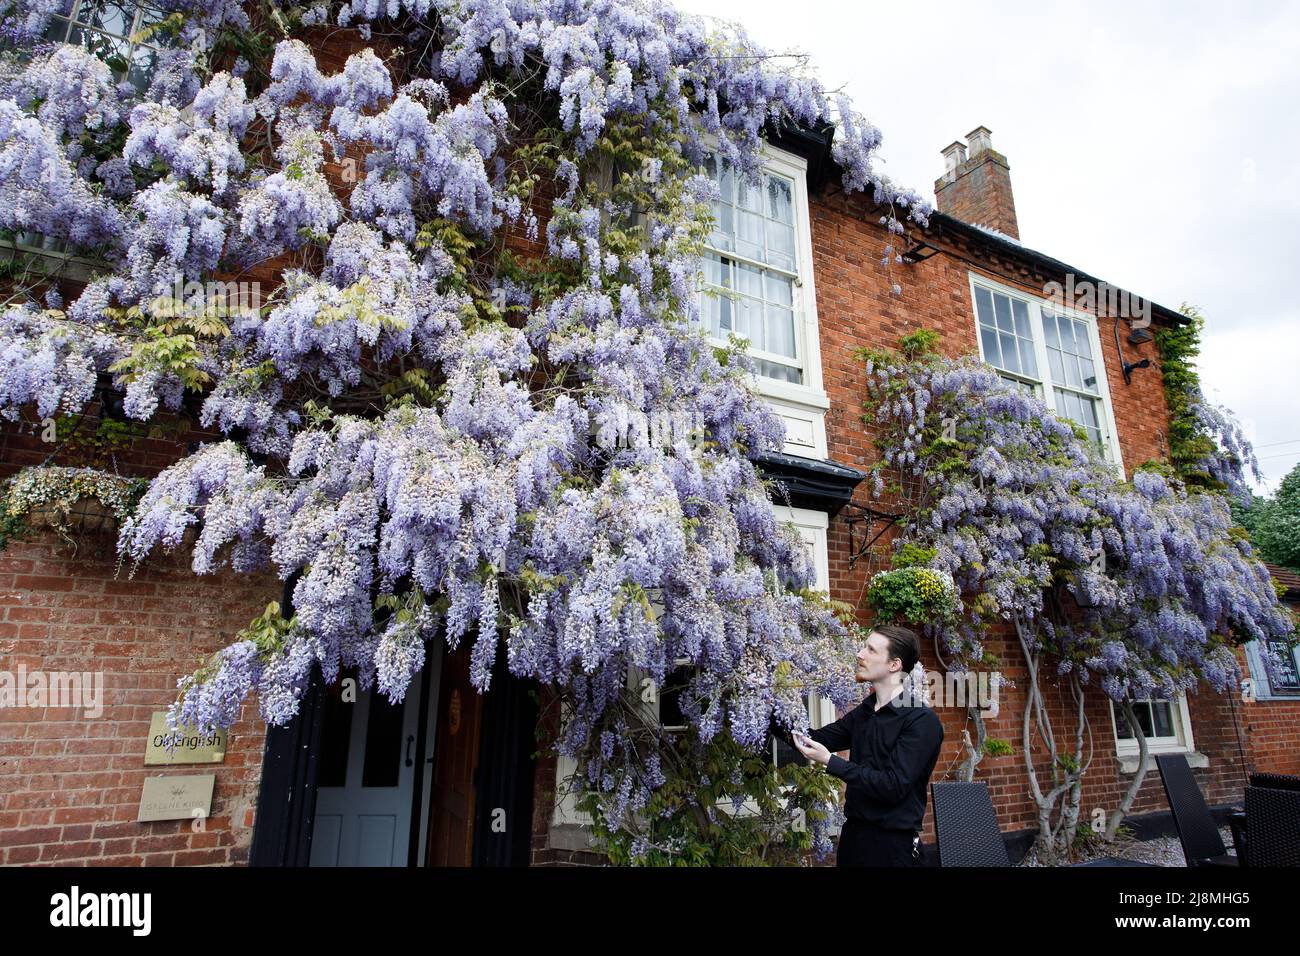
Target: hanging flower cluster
414 420
1141 585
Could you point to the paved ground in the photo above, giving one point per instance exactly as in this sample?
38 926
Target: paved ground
1162 851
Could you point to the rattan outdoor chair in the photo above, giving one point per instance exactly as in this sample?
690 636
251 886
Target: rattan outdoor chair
1273 826
1275 781
965 826
1197 831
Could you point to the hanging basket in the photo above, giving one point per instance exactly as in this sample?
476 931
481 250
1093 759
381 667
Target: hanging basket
72 502
86 515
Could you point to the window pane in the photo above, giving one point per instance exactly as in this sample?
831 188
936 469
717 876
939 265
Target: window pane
1164 718
992 354
1082 341
726 182
1054 360
1072 372
1144 717
724 232
108 15
1049 329
58 27
1021 314
1002 305
780 290
749 321
984 306
1067 336
1010 362
714 270
749 235
749 280
1067 405
336 737
383 760
748 197
711 313
1089 374
783 373
1089 409
780 327
1017 384
780 204
670 697
1028 361
111 49
149 16
143 62
780 251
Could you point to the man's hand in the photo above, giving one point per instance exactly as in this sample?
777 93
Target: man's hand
810 748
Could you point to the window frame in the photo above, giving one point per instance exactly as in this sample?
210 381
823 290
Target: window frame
1263 687
71 20
1181 742
53 256
805 404
1046 388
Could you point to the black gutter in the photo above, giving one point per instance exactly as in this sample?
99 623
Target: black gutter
814 145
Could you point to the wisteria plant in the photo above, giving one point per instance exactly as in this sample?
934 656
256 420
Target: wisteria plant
479 243
1138 589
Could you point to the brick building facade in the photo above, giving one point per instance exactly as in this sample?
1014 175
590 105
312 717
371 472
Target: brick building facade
70 786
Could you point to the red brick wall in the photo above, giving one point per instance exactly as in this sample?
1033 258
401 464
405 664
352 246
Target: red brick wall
70 784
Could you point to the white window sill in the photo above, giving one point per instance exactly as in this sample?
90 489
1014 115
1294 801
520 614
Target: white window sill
789 392
1128 763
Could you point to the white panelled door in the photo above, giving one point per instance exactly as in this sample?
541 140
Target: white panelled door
364 818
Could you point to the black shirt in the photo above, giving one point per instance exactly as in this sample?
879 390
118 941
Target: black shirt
892 753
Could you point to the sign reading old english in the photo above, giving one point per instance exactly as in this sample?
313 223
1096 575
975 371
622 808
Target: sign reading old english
176 798
189 746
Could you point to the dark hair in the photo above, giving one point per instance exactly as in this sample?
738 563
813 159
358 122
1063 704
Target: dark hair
903 644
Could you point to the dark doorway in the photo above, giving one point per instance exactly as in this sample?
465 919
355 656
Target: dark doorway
473 767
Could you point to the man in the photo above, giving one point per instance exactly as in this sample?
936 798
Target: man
893 741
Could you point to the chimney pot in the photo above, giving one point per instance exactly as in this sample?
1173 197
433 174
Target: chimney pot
979 139
954 155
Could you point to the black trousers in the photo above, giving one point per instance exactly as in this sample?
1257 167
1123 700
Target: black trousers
863 844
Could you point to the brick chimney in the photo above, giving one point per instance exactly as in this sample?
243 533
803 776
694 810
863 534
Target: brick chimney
976 184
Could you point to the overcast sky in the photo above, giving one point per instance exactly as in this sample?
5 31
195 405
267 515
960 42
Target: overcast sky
1154 145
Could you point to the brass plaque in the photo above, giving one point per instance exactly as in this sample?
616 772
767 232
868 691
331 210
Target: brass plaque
176 798
190 747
